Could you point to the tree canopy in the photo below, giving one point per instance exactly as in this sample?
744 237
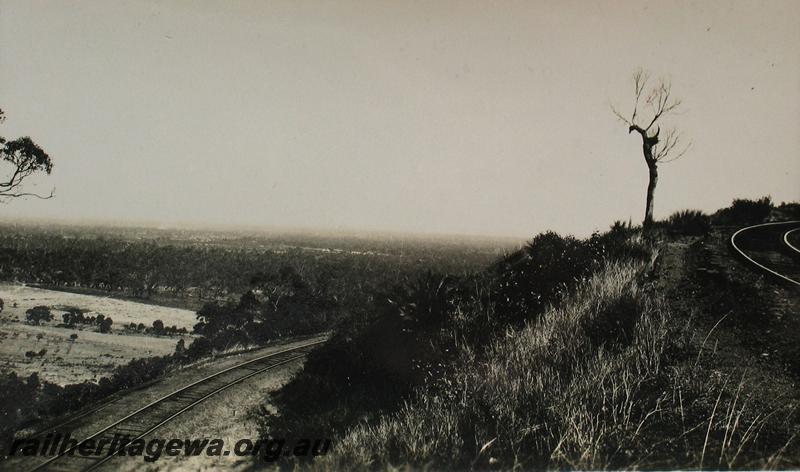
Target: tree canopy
22 157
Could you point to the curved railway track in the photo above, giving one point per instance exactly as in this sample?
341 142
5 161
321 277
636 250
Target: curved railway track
772 248
156 414
794 233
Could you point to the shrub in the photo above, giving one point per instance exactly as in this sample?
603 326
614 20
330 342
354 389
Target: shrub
745 212
624 229
17 406
689 223
200 347
538 274
787 210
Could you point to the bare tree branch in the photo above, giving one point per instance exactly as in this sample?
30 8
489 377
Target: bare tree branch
658 99
640 79
619 115
657 147
28 194
667 149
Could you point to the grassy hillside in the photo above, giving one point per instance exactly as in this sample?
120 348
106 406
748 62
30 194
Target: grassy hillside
619 351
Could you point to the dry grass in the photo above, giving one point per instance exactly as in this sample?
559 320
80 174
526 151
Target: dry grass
592 385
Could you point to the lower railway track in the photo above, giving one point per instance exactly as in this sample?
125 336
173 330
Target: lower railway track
772 248
151 417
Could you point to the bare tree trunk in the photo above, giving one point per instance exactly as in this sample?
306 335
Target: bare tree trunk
651 190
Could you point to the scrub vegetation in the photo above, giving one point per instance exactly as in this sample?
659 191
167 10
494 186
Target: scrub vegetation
567 354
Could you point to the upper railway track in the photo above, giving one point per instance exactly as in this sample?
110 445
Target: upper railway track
771 248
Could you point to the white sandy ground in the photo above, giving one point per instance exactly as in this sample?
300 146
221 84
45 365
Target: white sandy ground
92 355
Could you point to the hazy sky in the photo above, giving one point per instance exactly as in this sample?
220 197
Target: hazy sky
487 117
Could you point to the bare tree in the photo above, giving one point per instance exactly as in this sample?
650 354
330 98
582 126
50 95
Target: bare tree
657 147
22 158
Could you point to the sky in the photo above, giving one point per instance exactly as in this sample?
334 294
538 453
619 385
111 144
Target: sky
458 117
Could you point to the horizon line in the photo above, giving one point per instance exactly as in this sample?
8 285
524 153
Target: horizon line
256 228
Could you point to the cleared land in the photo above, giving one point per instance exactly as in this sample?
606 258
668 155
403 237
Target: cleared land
230 415
92 354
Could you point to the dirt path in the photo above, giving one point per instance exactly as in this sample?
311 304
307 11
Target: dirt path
743 322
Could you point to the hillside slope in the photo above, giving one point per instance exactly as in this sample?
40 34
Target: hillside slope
619 351
674 381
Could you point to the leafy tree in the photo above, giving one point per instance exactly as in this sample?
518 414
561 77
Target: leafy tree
158 326
180 347
656 148
38 314
73 316
23 158
105 325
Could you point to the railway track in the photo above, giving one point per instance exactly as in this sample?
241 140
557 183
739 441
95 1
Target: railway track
772 248
156 414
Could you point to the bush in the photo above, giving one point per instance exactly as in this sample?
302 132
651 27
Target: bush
538 274
200 347
787 211
689 223
17 406
745 212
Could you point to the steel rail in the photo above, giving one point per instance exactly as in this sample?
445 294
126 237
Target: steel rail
181 409
786 240
114 398
192 405
754 262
